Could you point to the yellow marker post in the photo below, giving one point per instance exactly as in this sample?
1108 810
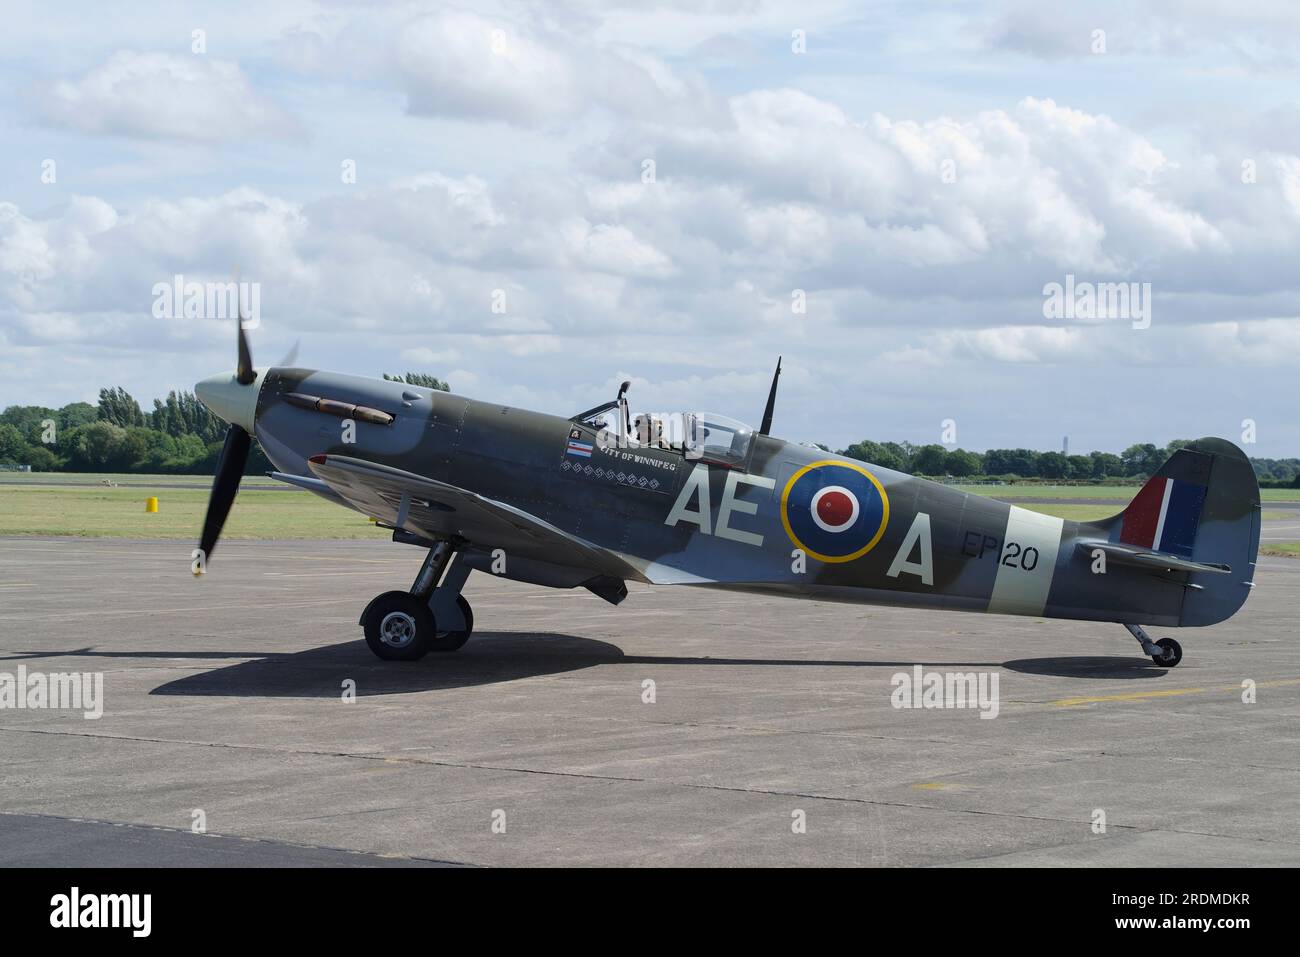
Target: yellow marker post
151 504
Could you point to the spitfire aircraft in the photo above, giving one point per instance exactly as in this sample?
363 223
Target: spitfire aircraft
605 497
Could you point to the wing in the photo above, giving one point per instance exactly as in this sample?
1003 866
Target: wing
438 510
311 485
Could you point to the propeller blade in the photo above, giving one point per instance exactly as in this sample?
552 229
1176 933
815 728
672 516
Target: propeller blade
244 373
291 356
230 469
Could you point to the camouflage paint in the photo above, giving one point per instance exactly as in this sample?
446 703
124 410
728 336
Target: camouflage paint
984 555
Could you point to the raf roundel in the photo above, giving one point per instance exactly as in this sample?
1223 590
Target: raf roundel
834 511
834 508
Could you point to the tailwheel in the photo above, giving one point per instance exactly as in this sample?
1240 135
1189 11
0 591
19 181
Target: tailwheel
1166 652
454 640
1172 653
399 627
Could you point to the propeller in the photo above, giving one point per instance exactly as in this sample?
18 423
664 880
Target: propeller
244 373
230 464
291 357
230 469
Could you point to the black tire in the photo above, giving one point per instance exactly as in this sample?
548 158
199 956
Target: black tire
455 640
1173 653
399 627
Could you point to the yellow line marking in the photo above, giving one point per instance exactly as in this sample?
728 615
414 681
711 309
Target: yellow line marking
1135 696
1169 693
933 786
345 574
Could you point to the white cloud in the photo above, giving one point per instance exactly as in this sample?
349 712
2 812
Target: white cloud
524 71
1043 181
431 357
166 97
38 253
459 64
613 249
1256 343
1258 38
792 194
520 169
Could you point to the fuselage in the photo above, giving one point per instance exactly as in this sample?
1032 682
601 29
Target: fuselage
788 518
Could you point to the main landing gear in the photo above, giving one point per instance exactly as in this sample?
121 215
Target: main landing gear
1166 652
406 625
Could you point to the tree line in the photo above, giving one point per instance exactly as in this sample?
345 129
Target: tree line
178 436
1136 462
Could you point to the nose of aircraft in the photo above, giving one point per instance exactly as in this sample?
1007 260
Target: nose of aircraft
229 399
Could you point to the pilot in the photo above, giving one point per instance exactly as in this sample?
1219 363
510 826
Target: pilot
657 433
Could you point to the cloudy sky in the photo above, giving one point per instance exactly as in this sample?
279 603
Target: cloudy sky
652 191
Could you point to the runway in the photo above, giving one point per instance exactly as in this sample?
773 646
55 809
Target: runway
223 699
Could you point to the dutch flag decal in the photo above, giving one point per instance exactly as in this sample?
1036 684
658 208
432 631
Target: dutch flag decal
1164 515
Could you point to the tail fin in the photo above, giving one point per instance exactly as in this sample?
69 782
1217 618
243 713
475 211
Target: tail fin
1202 506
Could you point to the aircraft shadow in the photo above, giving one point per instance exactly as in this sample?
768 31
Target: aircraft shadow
90 652
1088 667
491 658
496 657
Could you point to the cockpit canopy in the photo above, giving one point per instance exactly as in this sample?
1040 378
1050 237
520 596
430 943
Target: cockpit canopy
705 436
722 439
697 435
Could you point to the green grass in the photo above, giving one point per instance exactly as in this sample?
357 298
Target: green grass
1283 549
1091 513
1075 513
116 478
97 478
1279 495
1116 493
119 513
33 509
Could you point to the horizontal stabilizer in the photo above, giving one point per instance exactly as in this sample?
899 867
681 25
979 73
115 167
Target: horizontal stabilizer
1122 554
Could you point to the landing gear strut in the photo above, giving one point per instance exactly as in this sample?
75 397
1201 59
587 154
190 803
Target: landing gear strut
1166 652
407 625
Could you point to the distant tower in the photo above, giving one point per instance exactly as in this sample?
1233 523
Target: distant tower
1065 446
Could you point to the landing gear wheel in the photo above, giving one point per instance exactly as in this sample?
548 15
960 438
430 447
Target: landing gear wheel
399 627
1173 653
455 640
